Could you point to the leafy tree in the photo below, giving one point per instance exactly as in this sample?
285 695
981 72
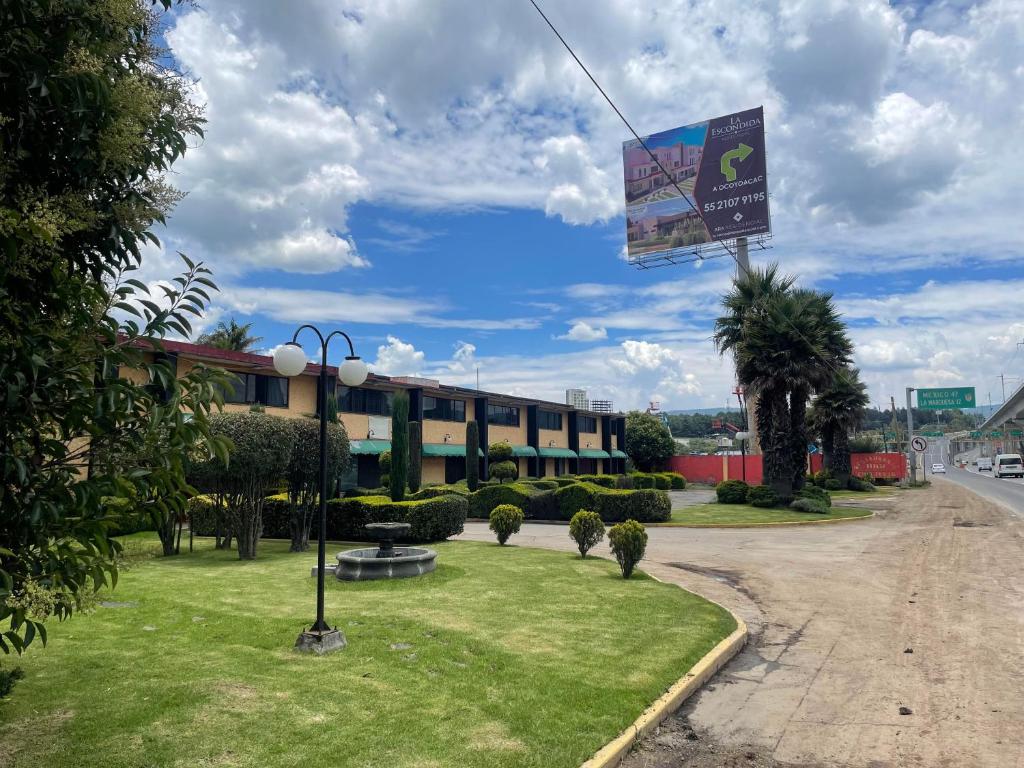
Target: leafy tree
834 414
472 455
648 441
303 472
260 456
231 336
415 455
399 444
91 120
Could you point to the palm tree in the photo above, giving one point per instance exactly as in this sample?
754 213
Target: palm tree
837 411
749 330
829 349
230 336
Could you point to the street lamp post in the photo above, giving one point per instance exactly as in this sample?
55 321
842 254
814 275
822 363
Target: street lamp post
290 360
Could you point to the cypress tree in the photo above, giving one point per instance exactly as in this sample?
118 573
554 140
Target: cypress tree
472 455
415 455
399 445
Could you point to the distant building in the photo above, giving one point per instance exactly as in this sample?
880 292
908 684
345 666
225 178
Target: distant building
601 406
577 398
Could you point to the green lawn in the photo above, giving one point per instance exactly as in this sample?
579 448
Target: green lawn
744 514
502 657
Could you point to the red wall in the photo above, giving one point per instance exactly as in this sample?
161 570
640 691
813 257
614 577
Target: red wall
710 469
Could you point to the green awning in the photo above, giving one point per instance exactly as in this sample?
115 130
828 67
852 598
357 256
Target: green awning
369 447
593 453
524 450
557 453
445 449
617 454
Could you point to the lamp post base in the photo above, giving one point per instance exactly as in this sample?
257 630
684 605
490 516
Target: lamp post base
320 643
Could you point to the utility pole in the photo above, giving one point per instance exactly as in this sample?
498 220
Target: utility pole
895 423
1002 381
910 439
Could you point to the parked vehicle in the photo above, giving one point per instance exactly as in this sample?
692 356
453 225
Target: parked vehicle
1009 465
984 464
938 469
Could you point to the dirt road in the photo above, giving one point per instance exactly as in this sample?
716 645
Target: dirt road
921 607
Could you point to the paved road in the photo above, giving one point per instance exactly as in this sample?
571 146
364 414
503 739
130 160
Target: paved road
832 609
1008 491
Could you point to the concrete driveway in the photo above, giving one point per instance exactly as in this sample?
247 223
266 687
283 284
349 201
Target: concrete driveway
921 607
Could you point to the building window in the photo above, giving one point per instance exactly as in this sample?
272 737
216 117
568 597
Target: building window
356 400
549 420
444 410
588 424
258 389
503 415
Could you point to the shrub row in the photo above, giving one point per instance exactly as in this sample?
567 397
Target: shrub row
432 519
612 504
664 481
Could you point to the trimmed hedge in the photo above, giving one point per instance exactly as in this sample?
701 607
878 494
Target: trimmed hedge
732 492
605 481
647 505
433 491
642 480
541 484
863 486
831 484
536 503
432 519
564 480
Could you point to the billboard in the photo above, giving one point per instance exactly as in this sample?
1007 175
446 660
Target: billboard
719 164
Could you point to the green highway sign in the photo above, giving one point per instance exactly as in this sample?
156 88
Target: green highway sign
947 397
1017 433
933 434
995 434
975 434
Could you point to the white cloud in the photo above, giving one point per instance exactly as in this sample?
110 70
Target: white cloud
581 331
397 358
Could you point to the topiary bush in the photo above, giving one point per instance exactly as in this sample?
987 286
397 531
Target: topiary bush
662 482
762 496
541 485
831 484
586 529
564 480
572 498
624 482
505 519
642 480
676 480
302 475
504 470
433 491
816 493
628 541
821 476
536 503
498 452
806 504
732 492
605 481
472 455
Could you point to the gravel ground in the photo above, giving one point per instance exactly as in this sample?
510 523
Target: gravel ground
919 608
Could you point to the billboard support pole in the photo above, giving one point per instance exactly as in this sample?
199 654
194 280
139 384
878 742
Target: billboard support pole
742 259
910 436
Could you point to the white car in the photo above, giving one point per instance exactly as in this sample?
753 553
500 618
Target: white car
1009 465
938 469
984 464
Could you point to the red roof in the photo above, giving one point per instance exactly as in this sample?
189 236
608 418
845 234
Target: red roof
228 355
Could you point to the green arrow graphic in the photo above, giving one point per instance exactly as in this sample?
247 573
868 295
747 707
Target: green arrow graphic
741 153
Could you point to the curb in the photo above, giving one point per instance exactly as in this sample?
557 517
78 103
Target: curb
611 754
762 525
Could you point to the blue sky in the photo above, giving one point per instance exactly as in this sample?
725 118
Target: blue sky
440 180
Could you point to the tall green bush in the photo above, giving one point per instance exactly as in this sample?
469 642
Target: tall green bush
472 455
399 475
586 529
302 474
415 455
628 541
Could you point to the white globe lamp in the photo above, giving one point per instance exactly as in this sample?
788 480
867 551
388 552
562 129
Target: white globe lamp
289 359
352 372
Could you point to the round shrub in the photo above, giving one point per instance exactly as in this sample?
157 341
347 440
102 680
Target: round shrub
505 520
804 504
586 529
628 541
762 496
821 476
677 481
504 470
384 462
497 452
732 492
662 482
816 493
831 484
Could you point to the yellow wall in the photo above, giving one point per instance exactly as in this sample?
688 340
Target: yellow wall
433 469
514 435
357 425
594 438
434 431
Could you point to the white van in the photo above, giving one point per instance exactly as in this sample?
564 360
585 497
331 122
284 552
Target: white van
1009 465
984 464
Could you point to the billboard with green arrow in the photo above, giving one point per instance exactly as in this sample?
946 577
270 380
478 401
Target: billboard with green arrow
696 184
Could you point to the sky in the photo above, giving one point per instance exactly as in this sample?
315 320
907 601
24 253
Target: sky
440 180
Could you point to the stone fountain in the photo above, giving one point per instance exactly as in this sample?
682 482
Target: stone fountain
386 561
